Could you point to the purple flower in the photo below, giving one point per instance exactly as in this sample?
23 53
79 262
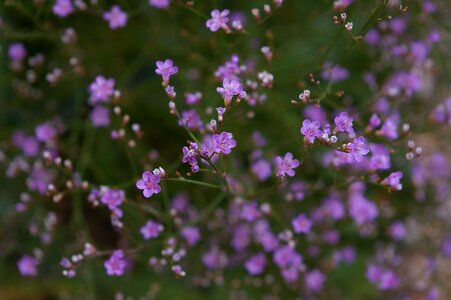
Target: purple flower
63 8
116 264
166 69
101 89
388 280
100 116
333 208
160 3
115 17
250 211
393 180
149 184
17 51
256 264
191 235
287 256
30 146
190 156
286 165
27 266
113 198
218 19
193 98
315 280
361 210
334 73
310 130
39 179
229 89
389 129
191 119
151 230
301 224
214 259
261 169
45 132
230 70
372 37
359 148
397 231
223 142
343 123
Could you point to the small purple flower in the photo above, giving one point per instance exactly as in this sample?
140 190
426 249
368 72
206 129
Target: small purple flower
39 179
250 211
100 116
301 224
190 156
17 51
223 142
229 89
27 266
166 69
343 123
256 264
389 129
315 280
361 209
30 146
151 230
63 8
193 98
149 184
214 259
116 264
191 235
113 198
160 3
334 73
397 231
191 119
372 37
310 130
115 17
388 280
393 180
374 121
101 89
45 132
359 148
286 257
380 157
333 208
286 165
261 169
218 20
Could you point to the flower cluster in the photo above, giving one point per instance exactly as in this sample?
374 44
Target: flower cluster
267 196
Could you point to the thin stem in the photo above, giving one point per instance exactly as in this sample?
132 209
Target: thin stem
183 179
147 209
213 205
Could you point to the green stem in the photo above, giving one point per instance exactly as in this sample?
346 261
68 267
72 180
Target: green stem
213 205
183 179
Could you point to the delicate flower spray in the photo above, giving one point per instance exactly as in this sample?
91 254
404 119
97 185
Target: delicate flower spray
265 196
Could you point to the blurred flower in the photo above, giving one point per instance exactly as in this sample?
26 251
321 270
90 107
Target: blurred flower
151 230
27 266
63 8
116 17
218 19
115 265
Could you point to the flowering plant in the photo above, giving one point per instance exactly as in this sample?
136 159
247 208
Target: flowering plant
158 141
